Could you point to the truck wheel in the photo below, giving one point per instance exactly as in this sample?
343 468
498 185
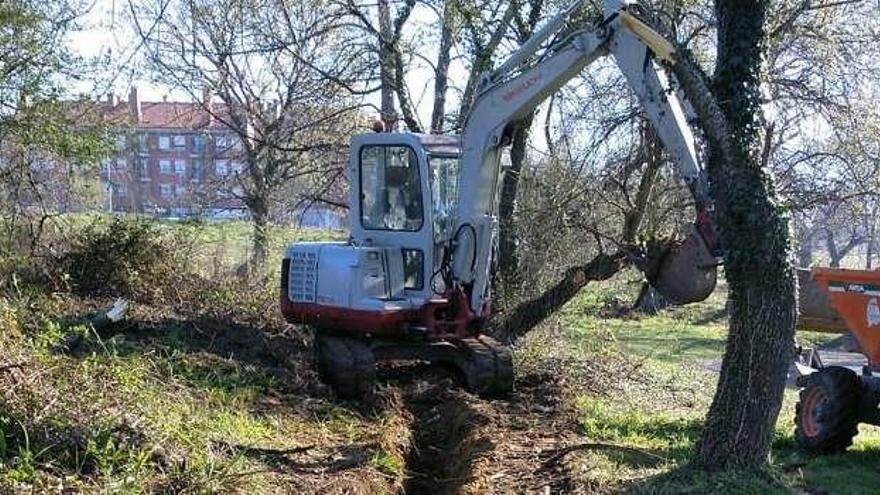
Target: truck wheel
828 411
346 364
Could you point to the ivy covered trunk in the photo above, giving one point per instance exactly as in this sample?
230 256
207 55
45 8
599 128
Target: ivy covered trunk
754 232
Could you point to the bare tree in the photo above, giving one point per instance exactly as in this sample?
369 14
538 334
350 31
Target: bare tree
284 79
384 27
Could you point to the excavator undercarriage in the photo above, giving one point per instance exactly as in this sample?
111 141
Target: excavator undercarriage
348 364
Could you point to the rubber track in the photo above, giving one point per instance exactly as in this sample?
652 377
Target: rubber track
348 365
489 367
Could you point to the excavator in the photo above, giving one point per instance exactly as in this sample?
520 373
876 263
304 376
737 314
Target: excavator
412 282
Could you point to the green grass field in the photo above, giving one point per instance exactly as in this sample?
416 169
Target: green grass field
659 406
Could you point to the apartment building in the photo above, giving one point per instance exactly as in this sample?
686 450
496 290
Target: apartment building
171 159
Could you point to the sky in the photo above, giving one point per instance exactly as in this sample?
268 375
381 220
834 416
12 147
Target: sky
106 30
107 35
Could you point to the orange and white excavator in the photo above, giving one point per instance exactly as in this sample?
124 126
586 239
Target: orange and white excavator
413 281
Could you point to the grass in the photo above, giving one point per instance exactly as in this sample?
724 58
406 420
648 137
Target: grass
659 403
145 416
207 393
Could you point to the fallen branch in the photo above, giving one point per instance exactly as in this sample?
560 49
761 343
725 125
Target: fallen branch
267 451
564 451
519 320
10 366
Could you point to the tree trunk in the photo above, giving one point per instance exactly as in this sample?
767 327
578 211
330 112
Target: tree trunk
838 254
508 260
386 65
649 300
516 322
831 246
763 291
402 92
651 153
441 72
258 208
805 250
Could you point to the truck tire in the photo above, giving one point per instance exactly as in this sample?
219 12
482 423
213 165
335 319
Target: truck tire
827 415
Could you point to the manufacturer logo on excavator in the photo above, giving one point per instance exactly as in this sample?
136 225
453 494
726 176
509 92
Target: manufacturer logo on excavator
522 87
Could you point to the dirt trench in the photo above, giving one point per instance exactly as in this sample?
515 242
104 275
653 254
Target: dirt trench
462 443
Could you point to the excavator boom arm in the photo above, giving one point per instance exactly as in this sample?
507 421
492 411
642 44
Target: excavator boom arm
519 86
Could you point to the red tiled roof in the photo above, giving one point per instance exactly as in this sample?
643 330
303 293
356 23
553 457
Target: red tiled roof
167 114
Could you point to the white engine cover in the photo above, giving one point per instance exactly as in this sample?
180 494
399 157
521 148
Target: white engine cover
337 274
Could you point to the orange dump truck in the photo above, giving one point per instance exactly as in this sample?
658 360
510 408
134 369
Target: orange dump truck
835 399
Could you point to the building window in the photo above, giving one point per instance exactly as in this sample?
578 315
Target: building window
165 190
120 190
165 166
164 142
142 169
221 142
179 190
180 141
121 164
235 167
120 142
198 144
221 168
143 143
197 171
179 167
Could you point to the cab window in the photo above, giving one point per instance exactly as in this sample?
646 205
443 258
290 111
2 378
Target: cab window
391 193
444 194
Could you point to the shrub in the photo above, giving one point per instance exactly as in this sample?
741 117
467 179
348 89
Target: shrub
123 258
21 276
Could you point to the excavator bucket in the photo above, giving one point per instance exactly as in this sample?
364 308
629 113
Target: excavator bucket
688 271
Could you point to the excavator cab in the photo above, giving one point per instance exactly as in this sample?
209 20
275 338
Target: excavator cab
403 197
404 193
